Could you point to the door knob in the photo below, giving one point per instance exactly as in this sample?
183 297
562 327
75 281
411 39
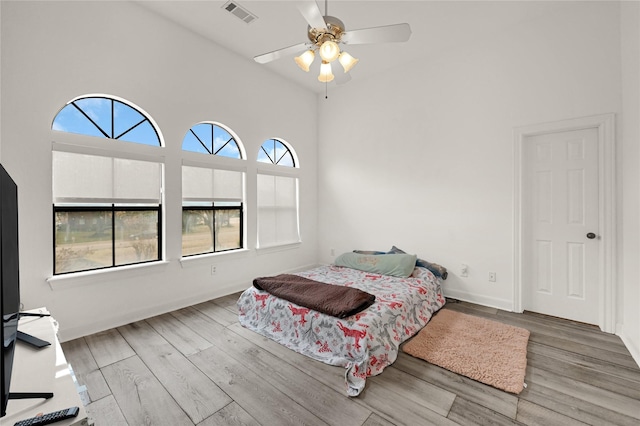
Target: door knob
591 235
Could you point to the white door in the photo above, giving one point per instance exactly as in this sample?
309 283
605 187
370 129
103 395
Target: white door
560 218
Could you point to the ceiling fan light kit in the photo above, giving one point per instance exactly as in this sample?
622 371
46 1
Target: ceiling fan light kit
326 33
325 40
305 60
347 61
325 73
329 51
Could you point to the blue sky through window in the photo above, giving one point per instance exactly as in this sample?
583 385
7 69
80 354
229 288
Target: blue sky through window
208 138
275 152
190 143
104 117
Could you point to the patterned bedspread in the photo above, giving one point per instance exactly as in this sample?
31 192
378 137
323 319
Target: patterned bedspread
364 343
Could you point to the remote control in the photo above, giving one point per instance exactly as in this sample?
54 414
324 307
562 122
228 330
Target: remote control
45 419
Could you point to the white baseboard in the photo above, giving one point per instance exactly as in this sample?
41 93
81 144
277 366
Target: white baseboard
69 333
492 302
633 347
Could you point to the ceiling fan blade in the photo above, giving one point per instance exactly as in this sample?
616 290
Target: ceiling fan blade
311 12
280 53
385 34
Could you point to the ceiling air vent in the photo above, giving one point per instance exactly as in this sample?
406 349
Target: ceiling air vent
239 12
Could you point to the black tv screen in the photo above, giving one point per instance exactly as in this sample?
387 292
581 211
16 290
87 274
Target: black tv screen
9 280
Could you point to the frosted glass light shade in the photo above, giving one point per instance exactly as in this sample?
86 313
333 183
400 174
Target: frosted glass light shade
329 51
347 61
305 60
325 73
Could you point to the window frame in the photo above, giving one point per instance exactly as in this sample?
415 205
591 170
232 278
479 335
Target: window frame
236 140
83 143
278 170
273 161
194 159
212 161
113 208
113 99
213 208
290 173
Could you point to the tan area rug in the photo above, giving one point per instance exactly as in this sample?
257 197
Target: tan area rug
487 351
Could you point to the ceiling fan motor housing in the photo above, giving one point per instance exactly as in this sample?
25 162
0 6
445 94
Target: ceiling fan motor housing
333 32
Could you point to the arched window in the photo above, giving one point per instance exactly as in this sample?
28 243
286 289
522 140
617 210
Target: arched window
276 152
277 203
213 194
106 202
106 117
211 138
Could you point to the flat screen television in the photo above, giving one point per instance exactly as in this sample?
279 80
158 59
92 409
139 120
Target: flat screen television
9 279
10 293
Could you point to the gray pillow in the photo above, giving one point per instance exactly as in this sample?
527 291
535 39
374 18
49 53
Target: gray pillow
395 265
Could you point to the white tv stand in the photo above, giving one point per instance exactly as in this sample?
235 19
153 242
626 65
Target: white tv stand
42 370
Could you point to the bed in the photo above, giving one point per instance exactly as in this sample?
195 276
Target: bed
364 343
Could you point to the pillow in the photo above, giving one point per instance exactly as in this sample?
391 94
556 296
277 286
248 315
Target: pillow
437 270
370 252
395 265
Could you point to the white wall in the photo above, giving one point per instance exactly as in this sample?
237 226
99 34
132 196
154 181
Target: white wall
630 134
423 157
55 51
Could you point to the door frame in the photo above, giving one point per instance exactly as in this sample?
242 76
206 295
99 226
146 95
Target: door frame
605 125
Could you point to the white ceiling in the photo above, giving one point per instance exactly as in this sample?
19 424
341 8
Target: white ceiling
436 26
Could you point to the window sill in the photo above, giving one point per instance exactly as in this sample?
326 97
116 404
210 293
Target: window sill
201 259
277 248
77 279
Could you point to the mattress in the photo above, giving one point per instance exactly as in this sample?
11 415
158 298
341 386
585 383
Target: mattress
364 343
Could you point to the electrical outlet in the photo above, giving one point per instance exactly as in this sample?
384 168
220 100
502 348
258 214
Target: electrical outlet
464 270
213 270
492 276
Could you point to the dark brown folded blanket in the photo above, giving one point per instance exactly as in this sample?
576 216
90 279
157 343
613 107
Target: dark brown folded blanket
334 300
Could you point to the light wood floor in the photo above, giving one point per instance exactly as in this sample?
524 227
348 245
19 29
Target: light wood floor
199 366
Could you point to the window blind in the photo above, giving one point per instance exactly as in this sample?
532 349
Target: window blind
277 210
204 184
91 178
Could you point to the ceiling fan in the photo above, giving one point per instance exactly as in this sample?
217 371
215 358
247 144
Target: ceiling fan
325 34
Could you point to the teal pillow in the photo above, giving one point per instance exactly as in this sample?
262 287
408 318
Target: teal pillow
395 265
437 270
